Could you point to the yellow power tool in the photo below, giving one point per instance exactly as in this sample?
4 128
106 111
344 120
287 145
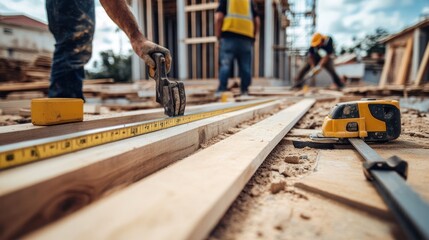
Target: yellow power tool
369 119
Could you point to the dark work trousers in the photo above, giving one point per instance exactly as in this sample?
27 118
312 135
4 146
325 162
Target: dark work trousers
329 66
72 23
235 48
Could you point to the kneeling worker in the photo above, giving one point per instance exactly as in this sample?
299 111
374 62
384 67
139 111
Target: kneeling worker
319 56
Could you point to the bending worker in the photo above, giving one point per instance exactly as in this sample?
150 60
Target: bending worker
236 25
72 23
320 56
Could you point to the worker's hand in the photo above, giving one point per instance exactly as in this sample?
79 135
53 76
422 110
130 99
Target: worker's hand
145 48
316 70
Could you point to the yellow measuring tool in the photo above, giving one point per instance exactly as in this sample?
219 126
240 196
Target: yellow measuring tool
29 151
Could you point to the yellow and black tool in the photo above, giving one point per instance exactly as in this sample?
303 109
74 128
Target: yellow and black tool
369 119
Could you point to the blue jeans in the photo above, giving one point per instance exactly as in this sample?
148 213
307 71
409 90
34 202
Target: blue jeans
235 48
72 23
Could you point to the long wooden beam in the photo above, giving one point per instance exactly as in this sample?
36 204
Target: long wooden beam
36 194
199 40
404 68
187 199
387 66
25 132
423 67
201 7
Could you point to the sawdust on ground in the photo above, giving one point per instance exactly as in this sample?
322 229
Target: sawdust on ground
270 207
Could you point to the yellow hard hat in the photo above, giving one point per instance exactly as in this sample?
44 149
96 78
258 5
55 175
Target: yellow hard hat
316 39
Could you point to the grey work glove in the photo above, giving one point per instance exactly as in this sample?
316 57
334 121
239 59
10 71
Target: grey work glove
145 48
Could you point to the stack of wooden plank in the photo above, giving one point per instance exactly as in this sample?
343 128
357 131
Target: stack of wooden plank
12 70
33 70
40 69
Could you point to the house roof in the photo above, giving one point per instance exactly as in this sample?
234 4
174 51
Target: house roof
421 24
23 21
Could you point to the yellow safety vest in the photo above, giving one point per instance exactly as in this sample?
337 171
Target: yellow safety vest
239 18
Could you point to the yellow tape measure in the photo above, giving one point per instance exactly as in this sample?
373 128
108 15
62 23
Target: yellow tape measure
34 150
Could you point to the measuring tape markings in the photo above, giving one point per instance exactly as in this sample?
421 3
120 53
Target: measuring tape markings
17 153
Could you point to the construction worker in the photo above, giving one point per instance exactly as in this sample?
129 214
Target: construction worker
236 25
320 56
72 23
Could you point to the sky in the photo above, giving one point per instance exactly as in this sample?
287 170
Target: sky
345 19
341 19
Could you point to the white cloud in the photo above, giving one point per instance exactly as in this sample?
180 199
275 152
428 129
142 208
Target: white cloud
346 19
32 8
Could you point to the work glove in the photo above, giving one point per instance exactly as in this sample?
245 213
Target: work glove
145 48
316 70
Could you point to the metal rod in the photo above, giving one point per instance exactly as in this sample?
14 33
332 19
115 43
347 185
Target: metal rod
409 209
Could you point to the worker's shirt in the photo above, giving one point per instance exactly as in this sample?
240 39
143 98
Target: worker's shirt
318 53
224 8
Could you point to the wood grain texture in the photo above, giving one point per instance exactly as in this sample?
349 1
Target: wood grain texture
339 176
404 67
149 20
37 194
25 132
201 7
161 23
423 67
194 47
387 66
187 199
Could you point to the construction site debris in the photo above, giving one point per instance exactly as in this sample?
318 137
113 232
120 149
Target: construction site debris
277 186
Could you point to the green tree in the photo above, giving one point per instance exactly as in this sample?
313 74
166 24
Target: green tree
113 66
368 44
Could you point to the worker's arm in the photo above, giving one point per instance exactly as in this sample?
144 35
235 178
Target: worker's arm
311 61
218 24
324 60
257 24
121 14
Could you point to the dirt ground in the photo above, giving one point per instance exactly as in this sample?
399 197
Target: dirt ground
270 207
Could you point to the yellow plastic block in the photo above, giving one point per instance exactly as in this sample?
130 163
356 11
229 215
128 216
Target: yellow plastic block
51 111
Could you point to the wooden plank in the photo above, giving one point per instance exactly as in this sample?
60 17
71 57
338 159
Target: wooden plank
149 20
36 194
201 7
198 40
204 45
353 189
161 23
98 81
25 132
216 59
187 199
256 58
9 87
387 66
12 106
403 72
423 67
194 47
